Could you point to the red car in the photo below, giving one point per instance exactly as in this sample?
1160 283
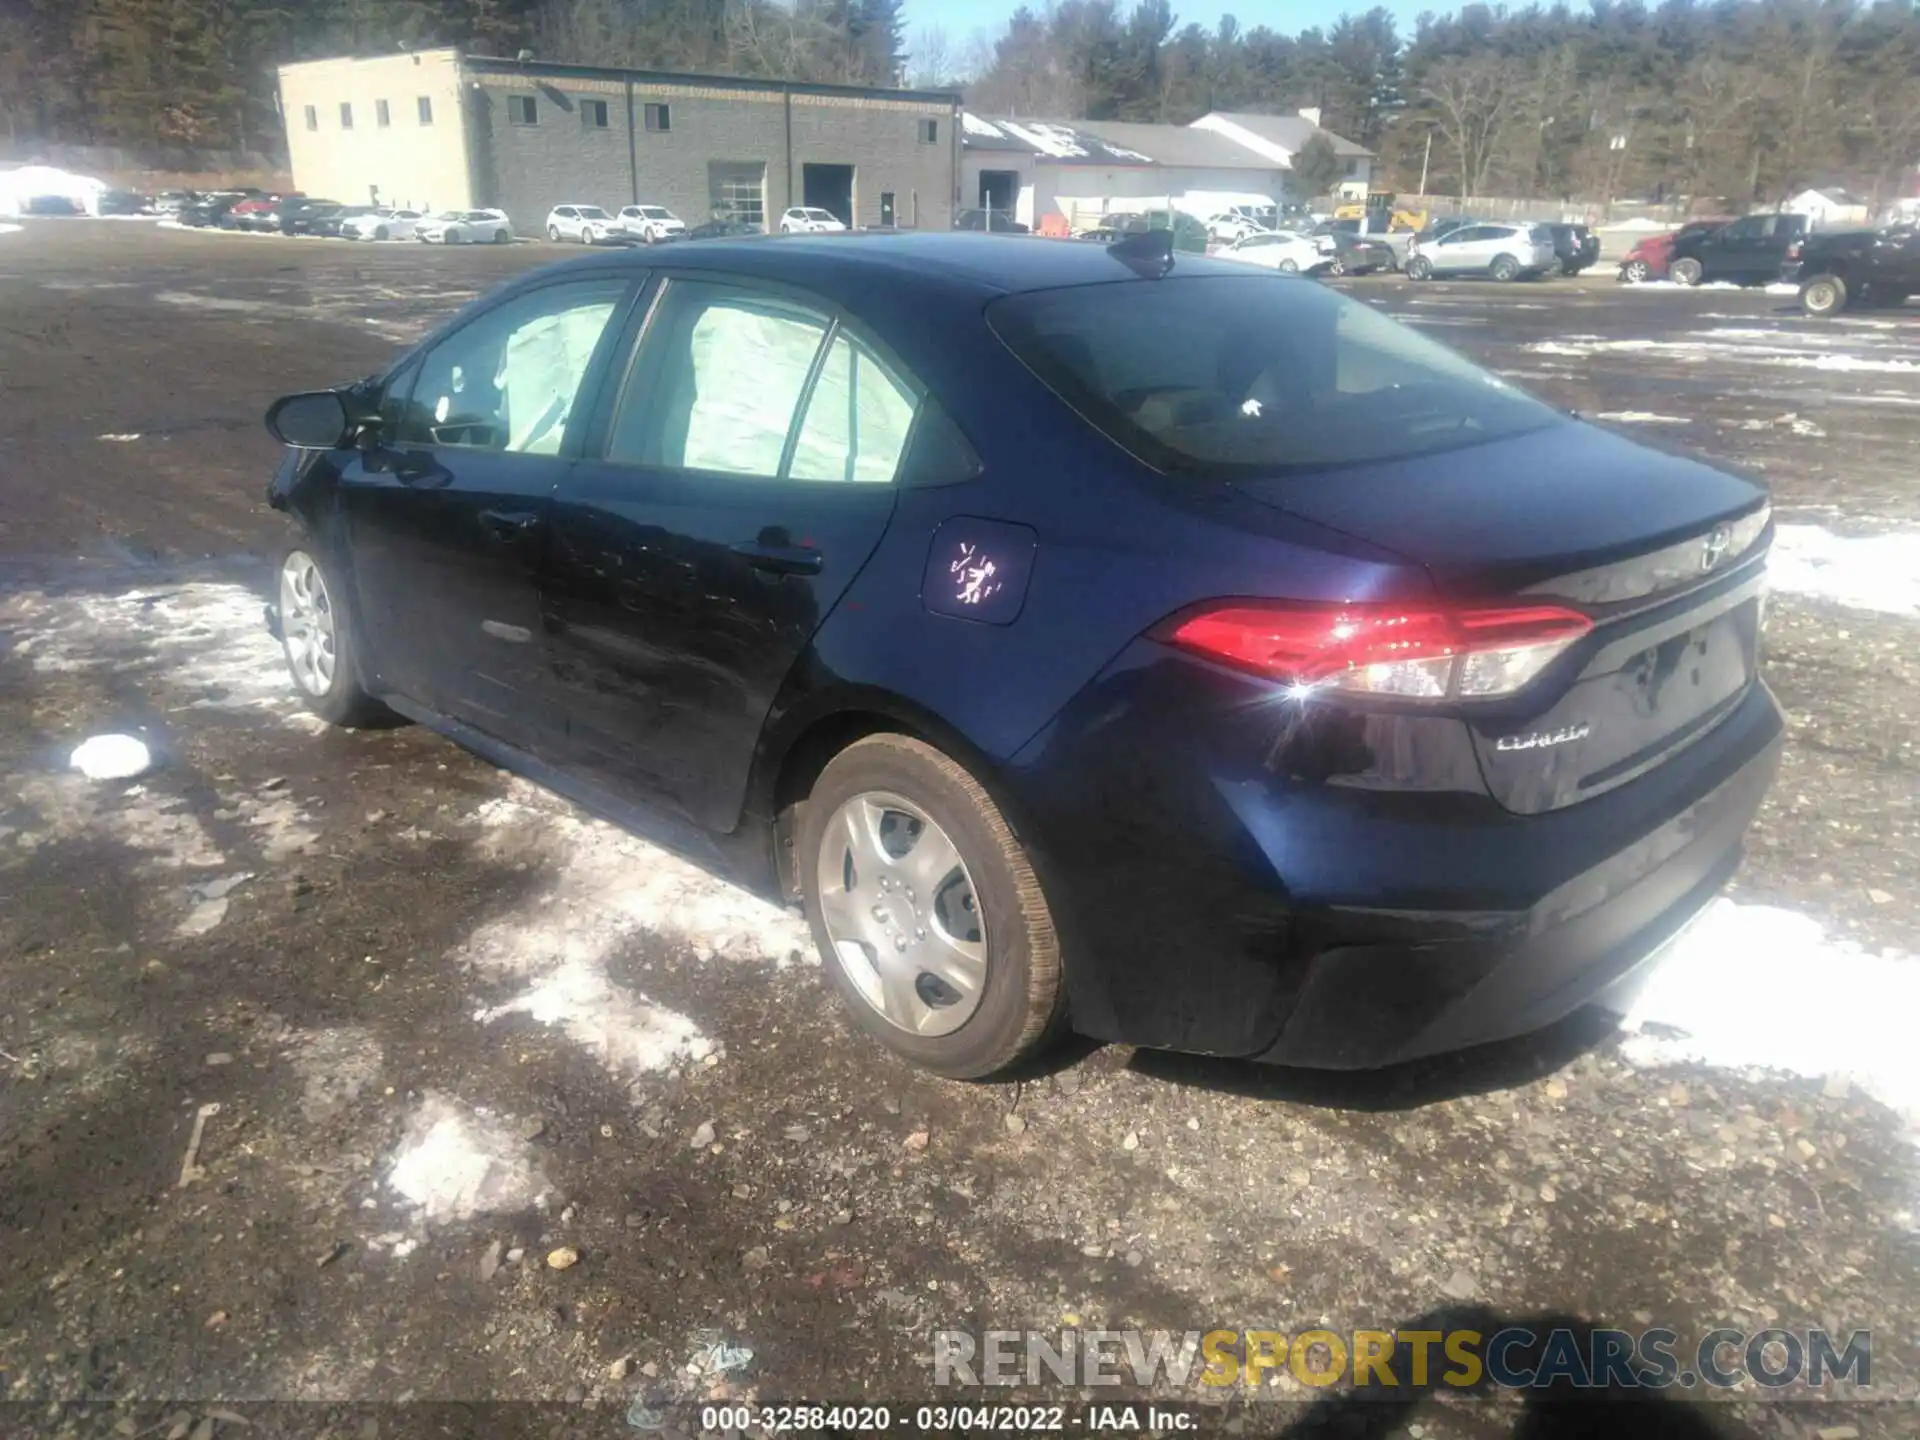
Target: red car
1648 258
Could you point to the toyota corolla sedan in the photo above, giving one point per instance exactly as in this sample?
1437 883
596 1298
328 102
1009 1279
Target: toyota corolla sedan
1087 636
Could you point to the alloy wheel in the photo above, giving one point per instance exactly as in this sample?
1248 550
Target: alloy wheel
902 914
307 623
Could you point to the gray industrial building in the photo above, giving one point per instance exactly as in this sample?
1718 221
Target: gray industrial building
445 130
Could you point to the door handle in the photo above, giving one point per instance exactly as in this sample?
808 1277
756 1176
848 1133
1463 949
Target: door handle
509 524
780 559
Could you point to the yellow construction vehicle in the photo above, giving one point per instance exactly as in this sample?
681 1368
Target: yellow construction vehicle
1380 214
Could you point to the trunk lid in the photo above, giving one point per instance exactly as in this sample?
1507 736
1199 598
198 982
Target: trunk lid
1666 555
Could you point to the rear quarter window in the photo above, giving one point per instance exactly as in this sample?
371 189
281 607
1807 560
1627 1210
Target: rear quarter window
1229 376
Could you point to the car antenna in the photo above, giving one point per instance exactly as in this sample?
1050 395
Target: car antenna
1148 253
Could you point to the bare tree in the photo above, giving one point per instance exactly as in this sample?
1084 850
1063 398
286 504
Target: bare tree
1475 98
933 62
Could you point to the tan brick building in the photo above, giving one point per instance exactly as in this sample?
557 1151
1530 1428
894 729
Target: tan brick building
440 129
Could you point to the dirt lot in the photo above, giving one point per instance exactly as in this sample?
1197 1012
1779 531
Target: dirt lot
316 1045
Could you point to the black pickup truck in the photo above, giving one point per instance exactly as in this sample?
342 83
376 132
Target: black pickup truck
1855 268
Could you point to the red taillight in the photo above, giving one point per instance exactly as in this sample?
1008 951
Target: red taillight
1432 654
1793 250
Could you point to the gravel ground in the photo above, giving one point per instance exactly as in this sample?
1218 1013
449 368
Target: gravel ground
342 1067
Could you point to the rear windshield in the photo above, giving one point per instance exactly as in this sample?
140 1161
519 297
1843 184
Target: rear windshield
1229 375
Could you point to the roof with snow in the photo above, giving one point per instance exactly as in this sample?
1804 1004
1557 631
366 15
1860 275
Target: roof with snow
1290 132
1065 142
1179 145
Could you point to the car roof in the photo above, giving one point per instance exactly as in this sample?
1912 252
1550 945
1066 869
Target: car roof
955 262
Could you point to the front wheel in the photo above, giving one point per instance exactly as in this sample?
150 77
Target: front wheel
1419 268
553 233
1687 271
1289 267
927 911
1504 268
383 233
1823 295
1636 272
321 647
501 237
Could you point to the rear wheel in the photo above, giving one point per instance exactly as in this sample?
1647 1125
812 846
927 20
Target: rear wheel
1687 271
1504 268
1636 272
1823 295
1419 268
501 237
926 910
320 644
382 233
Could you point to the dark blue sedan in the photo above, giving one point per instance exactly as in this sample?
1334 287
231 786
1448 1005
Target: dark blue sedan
1090 637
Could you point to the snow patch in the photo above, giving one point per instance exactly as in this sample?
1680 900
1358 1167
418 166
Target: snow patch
9 229
1790 421
1872 572
1641 417
1701 350
455 1161
609 889
624 1031
119 439
111 757
202 640
974 125
1756 988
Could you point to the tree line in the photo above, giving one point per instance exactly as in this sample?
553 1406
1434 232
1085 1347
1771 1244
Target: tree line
1738 100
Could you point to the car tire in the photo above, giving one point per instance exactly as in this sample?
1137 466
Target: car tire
1419 268
1686 271
1289 267
1636 272
553 233
320 642
1504 268
1823 295
382 233
927 798
502 237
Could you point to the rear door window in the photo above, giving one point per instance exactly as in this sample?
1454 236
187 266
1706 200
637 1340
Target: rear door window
1227 376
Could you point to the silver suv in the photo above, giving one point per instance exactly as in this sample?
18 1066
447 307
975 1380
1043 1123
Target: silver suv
1501 252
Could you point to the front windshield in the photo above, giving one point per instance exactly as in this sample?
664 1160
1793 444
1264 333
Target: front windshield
1227 375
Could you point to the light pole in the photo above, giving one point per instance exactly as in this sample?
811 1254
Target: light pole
1425 159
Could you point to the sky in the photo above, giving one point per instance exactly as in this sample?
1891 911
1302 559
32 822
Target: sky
961 18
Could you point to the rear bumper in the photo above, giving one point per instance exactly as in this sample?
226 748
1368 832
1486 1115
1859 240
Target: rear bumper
1235 875
1376 1004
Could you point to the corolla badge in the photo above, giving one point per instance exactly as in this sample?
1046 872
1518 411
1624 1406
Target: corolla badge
1544 739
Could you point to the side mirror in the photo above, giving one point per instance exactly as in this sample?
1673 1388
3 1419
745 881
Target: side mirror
317 420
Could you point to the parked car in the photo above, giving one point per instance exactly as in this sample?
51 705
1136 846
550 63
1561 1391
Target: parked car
651 223
466 227
1576 245
333 223
1277 251
588 224
252 214
1500 252
1099 234
171 202
1855 268
1202 797
809 219
1436 229
722 228
1344 253
125 202
378 224
296 214
1747 251
52 205
1375 227
998 221
1648 258
207 210
1237 222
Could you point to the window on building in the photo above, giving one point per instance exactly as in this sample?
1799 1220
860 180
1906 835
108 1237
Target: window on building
425 103
593 114
346 114
659 119
313 117
1353 168
929 132
522 110
382 116
508 380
